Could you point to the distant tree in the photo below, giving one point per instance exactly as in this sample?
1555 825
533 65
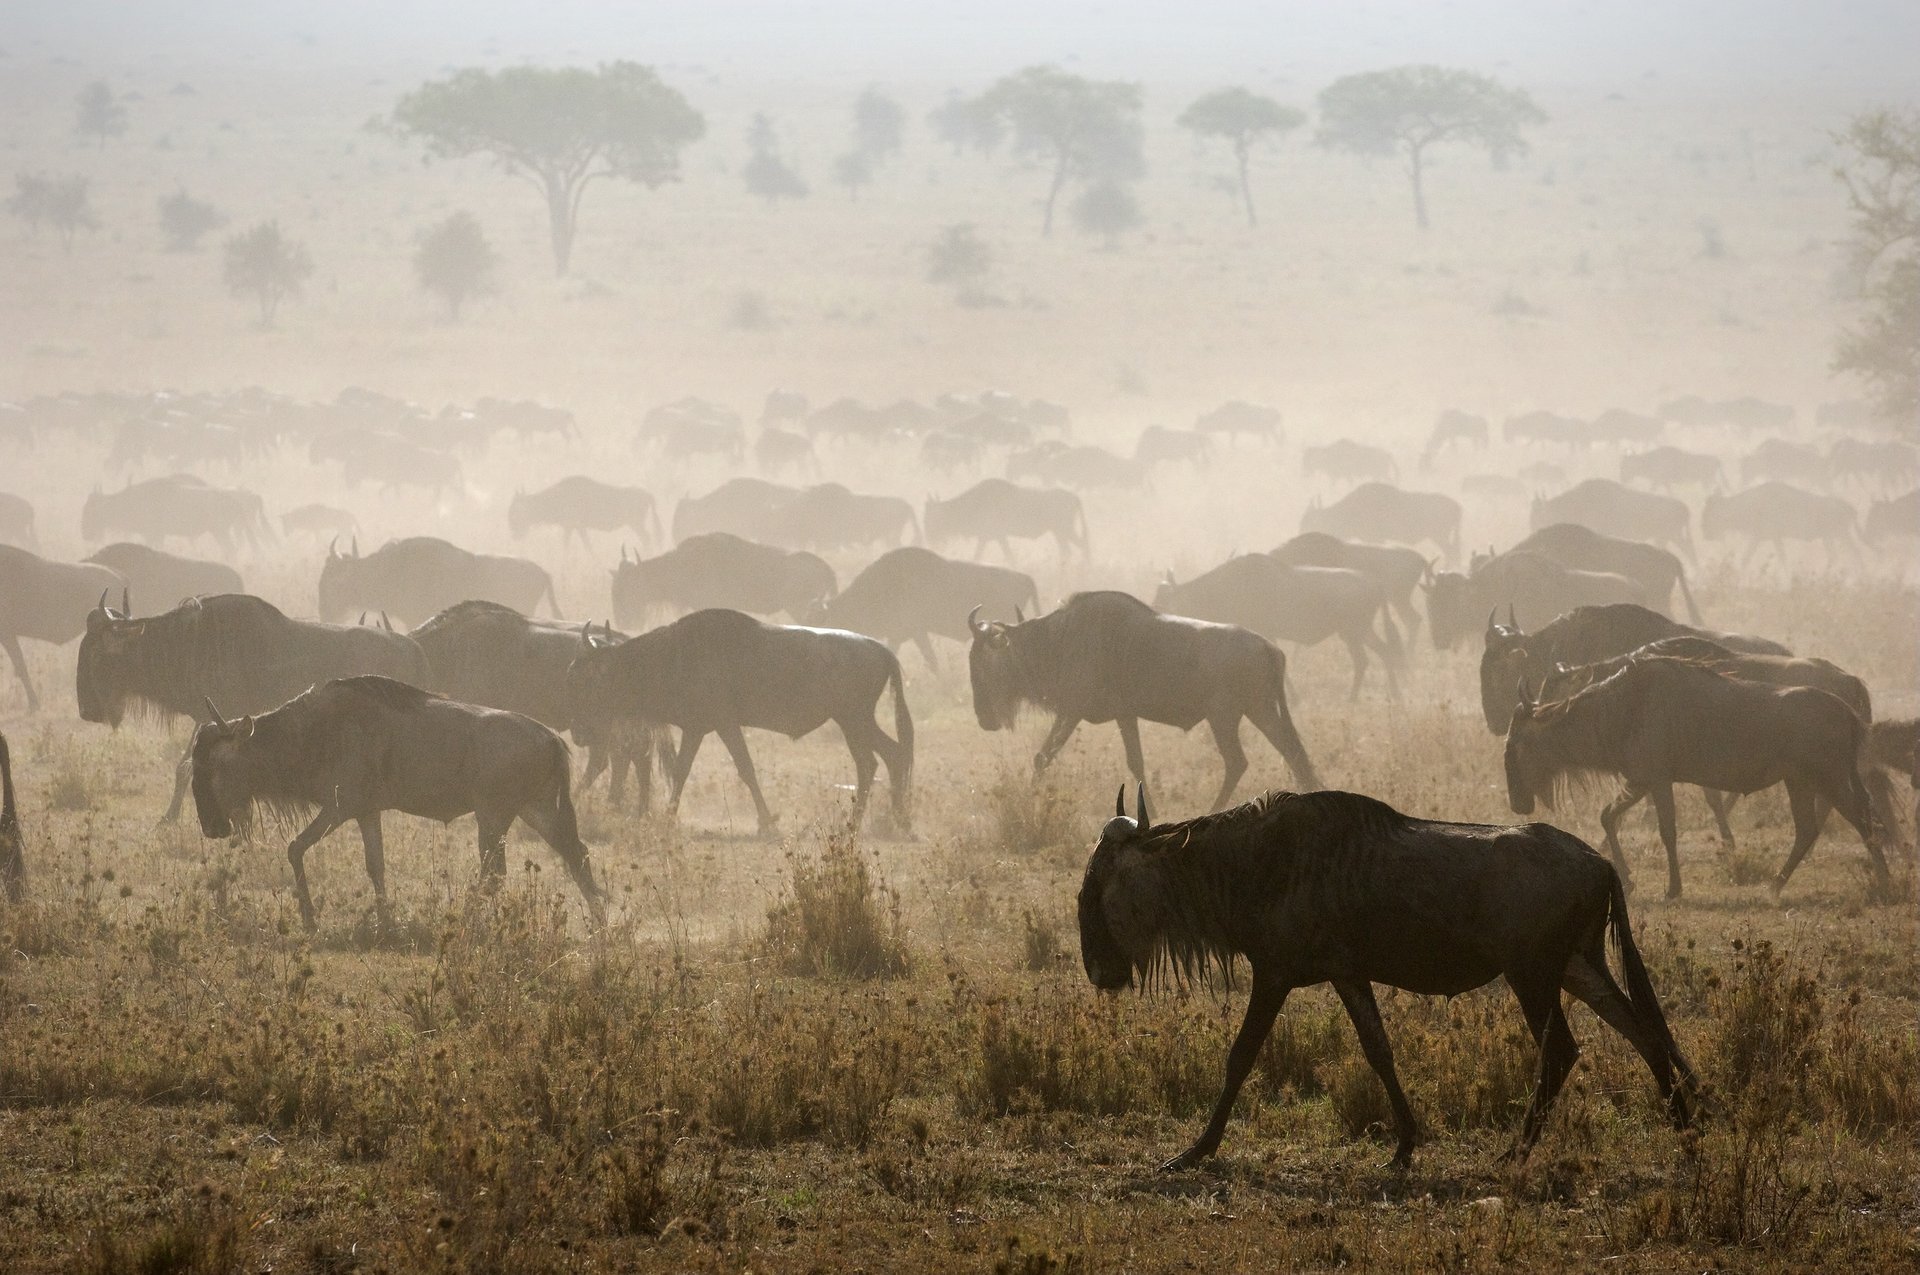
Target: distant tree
853 170
264 264
1087 130
1240 118
455 261
561 129
99 114
1881 171
68 210
1409 109
1107 208
765 172
966 123
959 257
879 127
184 220
32 199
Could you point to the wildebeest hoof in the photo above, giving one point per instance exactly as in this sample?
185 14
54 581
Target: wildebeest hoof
1188 1159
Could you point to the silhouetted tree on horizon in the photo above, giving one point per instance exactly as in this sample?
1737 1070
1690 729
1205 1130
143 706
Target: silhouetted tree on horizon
184 221
1240 118
1087 130
99 114
264 264
766 173
454 261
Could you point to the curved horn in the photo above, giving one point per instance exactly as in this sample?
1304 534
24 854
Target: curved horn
213 712
1019 616
1511 622
1120 803
974 626
101 605
1492 612
333 547
586 635
385 623
1140 807
362 621
356 546
126 606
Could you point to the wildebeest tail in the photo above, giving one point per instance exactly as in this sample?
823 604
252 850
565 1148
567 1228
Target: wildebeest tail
1645 1002
1395 645
1292 749
1686 595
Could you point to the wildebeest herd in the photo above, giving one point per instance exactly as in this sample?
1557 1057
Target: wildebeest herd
428 684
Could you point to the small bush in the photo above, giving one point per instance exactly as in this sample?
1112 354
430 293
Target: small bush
71 787
1021 815
838 918
1042 943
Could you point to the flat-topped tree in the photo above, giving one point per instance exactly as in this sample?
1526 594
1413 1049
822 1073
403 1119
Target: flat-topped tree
1408 109
1240 117
1089 129
559 128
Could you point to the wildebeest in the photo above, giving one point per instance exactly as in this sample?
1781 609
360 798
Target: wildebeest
783 405
741 506
999 511
1158 445
1661 721
1658 571
1774 513
1109 657
578 504
719 671
1585 635
1617 425
354 747
1778 459
778 450
1381 512
13 858
1895 519
1454 426
1879 463
1893 745
692 427
46 601
319 520
828 517
156 576
16 521
718 570
1670 467
1293 604
1344 460
413 578
1236 418
1335 887
1615 510
913 595
1084 468
179 506
391 460
1543 427
1395 569
1535 589
234 647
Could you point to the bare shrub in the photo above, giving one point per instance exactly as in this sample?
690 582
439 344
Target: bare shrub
1022 815
838 919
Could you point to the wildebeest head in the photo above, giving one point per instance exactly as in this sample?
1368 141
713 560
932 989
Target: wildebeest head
1529 778
222 795
1502 665
1447 619
590 691
1120 904
102 680
338 575
994 670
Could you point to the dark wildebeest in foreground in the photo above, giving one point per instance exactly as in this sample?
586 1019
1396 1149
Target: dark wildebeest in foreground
1335 887
420 576
48 602
233 647
166 578
1306 605
1586 635
717 672
1344 460
720 570
578 504
354 747
13 854
1660 721
913 595
1381 512
1395 569
16 521
1670 467
178 506
1659 571
999 511
1774 513
1625 512
1235 418
1109 657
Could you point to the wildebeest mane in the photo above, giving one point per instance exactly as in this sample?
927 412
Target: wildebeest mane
1057 647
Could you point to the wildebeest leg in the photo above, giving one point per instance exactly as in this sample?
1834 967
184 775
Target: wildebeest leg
1263 1004
182 776
1364 1010
1610 824
1276 723
1057 736
556 826
1558 1050
493 848
1662 795
861 744
323 823
1226 737
376 851
1357 652
1885 808
1130 743
737 746
11 644
924 641
1721 803
1588 978
690 741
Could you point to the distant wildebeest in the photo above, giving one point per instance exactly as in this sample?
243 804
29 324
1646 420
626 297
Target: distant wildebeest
1306 605
1895 519
578 504
1236 418
1379 512
1779 460
1454 426
484 653
1514 658
827 518
46 601
1617 425
1893 747
1109 657
718 570
1843 414
944 451
1083 468
692 428
161 579
1344 460
1661 721
235 647
1774 513
1535 588
13 858
1158 445
393 462
413 578
1670 467
1493 487
914 595
179 506
318 521
783 406
1658 571
720 671
742 506
780 450
1394 569
352 748
1542 474
1543 427
991 429
16 521
1335 887
1752 414
847 419
1878 463
528 420
995 510
1616 510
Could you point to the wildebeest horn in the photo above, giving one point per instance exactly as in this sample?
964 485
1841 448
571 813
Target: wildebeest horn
1019 616
333 547
385 623
356 547
1168 578
1511 622
974 626
1140 807
1492 612
362 621
213 712
102 604
586 635
1120 803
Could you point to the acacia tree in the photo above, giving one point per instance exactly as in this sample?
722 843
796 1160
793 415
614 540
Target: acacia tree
1409 109
1240 118
264 264
966 123
1881 172
184 220
1088 130
558 128
765 172
98 113
1107 208
879 126
455 261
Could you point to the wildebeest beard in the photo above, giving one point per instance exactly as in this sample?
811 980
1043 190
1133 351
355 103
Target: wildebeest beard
275 813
